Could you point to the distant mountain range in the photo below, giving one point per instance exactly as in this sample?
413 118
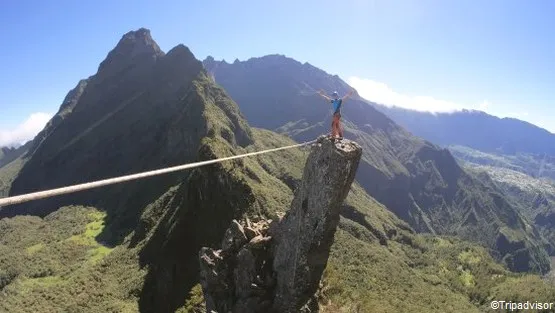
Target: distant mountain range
9 154
516 156
475 129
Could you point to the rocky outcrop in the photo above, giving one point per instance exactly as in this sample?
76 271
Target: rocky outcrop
134 46
276 266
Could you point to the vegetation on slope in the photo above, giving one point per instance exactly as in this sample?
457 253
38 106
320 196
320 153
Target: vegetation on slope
377 262
420 273
535 197
7 155
11 162
55 263
537 166
8 173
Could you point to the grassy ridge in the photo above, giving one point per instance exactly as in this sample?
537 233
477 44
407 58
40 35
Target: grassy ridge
8 173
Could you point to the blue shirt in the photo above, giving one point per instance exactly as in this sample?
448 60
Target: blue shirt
336 105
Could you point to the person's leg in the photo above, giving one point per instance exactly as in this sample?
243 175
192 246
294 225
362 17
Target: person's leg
335 126
339 127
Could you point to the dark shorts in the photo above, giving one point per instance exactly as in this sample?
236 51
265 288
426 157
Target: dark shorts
337 114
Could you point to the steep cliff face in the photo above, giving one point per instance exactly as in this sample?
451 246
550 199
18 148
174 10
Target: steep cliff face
278 267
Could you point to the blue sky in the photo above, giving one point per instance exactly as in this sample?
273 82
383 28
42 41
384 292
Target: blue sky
438 55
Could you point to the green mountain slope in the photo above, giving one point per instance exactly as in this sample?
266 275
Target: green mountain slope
8 173
419 182
55 263
7 155
11 162
532 165
534 197
526 180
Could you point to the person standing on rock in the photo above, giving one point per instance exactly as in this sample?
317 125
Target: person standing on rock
336 130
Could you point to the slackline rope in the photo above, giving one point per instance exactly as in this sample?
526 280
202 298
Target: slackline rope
121 179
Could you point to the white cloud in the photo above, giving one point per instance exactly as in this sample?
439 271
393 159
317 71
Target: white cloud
24 131
381 93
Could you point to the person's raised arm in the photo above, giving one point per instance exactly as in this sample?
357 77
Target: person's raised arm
347 96
323 94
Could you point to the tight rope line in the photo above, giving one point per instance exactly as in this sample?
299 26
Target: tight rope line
121 179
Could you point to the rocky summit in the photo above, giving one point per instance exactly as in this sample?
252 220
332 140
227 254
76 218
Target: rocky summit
276 266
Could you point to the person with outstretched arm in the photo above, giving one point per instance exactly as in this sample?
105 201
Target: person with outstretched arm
336 131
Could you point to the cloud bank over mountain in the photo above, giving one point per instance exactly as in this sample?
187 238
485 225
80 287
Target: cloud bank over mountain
383 94
25 131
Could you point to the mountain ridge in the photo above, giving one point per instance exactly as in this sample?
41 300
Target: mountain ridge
7 155
466 128
157 100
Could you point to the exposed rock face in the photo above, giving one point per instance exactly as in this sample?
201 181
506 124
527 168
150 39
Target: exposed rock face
132 47
276 266
239 277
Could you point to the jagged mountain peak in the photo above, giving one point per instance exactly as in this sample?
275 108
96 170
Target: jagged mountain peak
181 50
270 59
267 60
144 109
181 58
140 41
134 44
274 60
